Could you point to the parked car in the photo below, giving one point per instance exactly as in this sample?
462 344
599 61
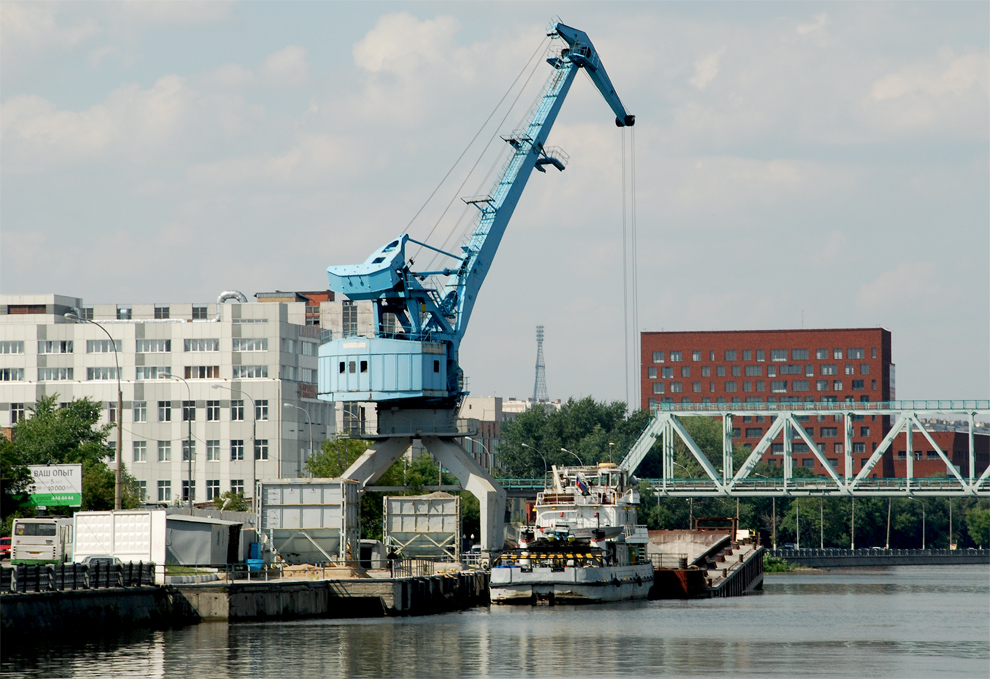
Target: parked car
5 548
101 560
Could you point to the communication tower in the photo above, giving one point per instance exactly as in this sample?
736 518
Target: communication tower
540 386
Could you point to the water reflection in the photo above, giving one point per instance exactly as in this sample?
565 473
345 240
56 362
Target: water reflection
903 622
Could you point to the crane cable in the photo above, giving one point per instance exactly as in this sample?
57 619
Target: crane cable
630 260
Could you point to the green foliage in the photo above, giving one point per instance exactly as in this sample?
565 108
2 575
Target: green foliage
231 502
774 564
334 457
14 484
978 526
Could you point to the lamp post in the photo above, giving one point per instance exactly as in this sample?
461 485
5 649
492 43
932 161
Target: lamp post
491 458
309 424
565 450
773 511
922 521
610 444
118 453
189 420
545 467
254 431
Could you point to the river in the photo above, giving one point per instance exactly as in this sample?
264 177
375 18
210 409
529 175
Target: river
896 622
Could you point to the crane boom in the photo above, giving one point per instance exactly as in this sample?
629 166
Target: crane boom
412 359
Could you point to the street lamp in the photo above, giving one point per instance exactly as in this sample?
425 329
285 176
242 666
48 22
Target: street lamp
74 317
254 431
610 444
773 503
491 458
565 450
309 425
922 521
189 446
545 467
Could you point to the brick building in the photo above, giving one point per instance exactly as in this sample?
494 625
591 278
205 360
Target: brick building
777 366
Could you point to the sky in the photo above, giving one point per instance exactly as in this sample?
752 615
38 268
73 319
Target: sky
811 165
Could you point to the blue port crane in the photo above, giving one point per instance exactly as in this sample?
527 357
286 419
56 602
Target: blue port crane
409 365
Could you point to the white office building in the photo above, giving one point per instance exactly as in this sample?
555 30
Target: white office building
241 375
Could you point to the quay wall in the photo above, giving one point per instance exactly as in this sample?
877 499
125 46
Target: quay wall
860 558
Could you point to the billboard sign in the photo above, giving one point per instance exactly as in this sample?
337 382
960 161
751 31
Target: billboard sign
56 485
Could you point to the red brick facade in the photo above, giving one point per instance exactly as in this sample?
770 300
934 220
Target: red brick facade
776 366
955 444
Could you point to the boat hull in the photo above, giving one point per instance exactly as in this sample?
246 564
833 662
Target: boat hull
513 585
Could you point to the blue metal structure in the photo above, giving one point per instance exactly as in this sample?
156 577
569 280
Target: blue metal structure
412 359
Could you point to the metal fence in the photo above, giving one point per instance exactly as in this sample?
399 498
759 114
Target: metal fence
24 578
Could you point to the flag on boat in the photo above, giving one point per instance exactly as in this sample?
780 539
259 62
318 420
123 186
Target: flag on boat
581 485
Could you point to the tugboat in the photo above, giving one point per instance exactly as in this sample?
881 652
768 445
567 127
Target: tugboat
584 546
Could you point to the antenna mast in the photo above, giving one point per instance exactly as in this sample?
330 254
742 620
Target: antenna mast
540 387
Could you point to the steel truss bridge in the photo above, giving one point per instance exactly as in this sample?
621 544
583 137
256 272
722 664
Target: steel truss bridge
786 424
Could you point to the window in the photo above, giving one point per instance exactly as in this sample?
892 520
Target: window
201 344
754 432
153 346
237 449
308 348
771 371
829 369
675 356
799 354
111 411
213 450
658 387
864 431
199 313
695 355
711 355
152 372
261 409
164 451
188 411
747 355
761 386
54 346
754 371
829 432
11 374
188 450
123 313
54 374
760 355
706 371
261 449
140 451
858 385
16 412
874 352
101 346
247 371
250 344
747 386
212 488
161 311
139 411
11 347
821 385
720 371
237 411
856 353
864 368
696 387
651 373
349 318
288 346
799 385
667 373
730 354
809 370
873 385
776 448
685 371
730 387
164 491
859 447
676 388
213 411
657 356
237 486
778 354
186 486
164 411
808 463
837 448
836 353
821 354
790 370
202 372
850 369
778 386
142 491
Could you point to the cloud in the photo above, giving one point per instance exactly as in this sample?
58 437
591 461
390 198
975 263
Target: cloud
821 21
400 43
286 68
911 283
228 76
950 76
831 250
706 70
34 26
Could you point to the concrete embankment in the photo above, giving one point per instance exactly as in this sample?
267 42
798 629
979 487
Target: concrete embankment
860 558
107 610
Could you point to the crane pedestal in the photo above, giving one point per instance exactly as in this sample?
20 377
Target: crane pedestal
450 454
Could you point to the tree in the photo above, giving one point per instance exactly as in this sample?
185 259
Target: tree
978 526
14 484
334 457
231 502
72 434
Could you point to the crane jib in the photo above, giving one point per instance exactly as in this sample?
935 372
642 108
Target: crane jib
409 356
